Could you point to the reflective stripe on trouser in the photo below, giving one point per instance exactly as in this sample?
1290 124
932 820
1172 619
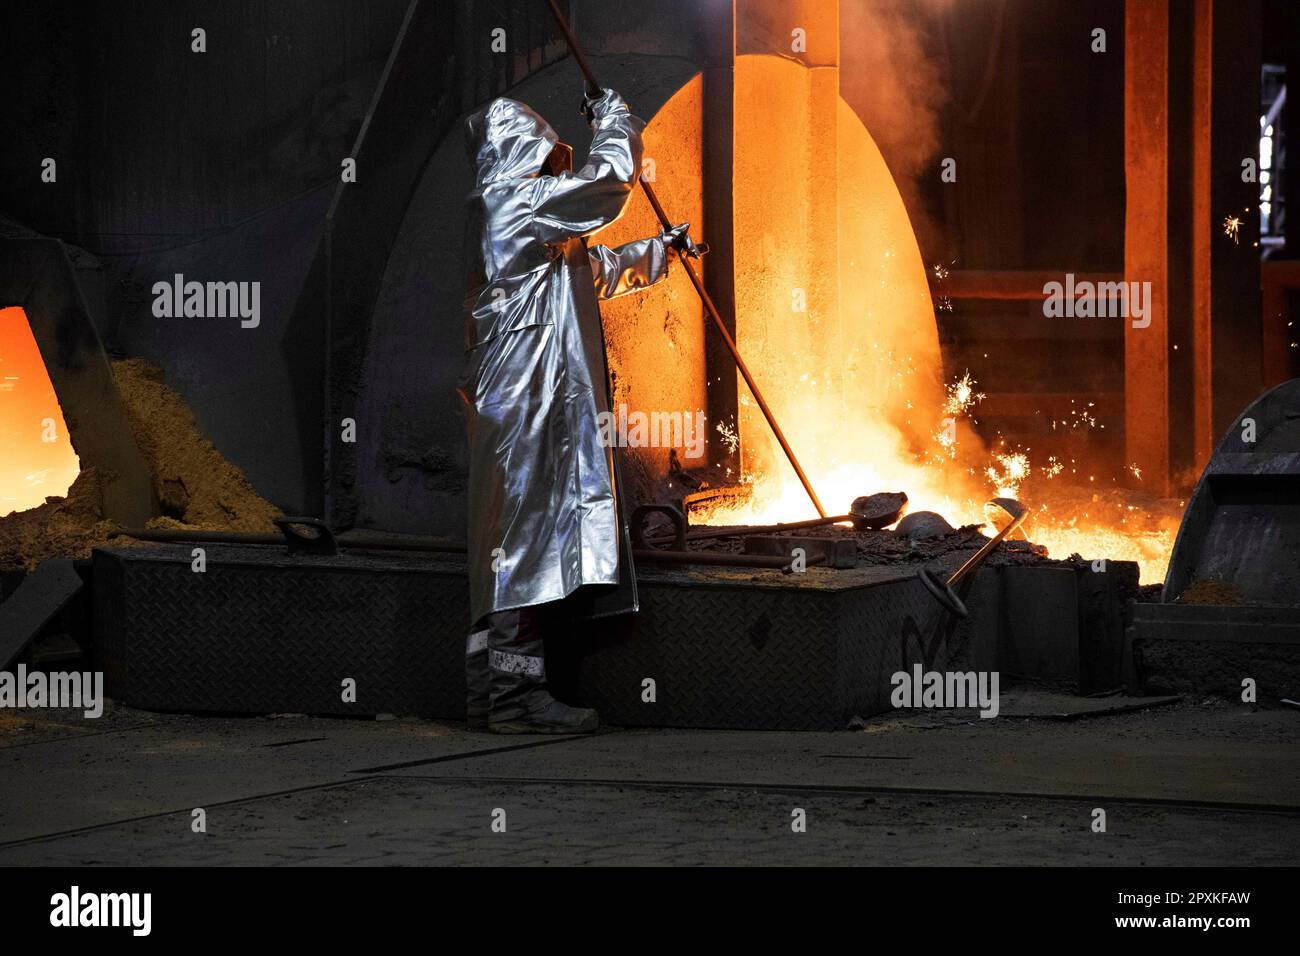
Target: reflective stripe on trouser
505 665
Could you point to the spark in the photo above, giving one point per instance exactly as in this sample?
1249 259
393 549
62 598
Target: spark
1232 228
1008 472
947 441
730 438
962 396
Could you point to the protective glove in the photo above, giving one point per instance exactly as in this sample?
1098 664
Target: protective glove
588 108
679 238
596 107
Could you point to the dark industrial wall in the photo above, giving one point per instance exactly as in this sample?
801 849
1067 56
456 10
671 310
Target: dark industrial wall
224 166
216 165
157 144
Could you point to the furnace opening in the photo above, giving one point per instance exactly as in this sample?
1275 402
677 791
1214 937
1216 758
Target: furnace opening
38 460
835 317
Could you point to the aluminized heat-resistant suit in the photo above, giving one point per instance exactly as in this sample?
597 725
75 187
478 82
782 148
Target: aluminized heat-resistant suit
543 515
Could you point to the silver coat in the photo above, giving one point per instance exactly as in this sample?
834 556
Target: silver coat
543 510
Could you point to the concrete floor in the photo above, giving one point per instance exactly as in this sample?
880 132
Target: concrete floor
1187 783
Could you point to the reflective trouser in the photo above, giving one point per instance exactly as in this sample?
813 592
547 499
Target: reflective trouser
505 666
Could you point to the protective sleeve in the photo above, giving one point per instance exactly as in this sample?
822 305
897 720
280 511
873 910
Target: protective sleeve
631 266
580 202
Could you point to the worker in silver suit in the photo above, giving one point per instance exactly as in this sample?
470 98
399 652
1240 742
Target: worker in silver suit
544 520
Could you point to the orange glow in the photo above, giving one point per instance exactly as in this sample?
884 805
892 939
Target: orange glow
845 346
36 456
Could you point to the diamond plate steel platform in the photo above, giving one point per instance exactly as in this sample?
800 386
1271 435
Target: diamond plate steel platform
259 632
731 648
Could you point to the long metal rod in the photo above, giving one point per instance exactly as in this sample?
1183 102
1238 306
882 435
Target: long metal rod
742 531
351 541
978 557
594 88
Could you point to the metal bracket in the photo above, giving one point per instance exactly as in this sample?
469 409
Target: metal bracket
942 592
322 541
671 513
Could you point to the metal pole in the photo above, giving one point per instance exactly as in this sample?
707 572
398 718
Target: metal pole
349 541
594 88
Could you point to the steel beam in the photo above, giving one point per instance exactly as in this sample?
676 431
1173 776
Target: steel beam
1146 145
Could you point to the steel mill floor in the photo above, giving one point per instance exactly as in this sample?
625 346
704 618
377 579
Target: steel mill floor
1189 782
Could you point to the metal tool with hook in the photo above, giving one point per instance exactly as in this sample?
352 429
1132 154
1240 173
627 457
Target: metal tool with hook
942 590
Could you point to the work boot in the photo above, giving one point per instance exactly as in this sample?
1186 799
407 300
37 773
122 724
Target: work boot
516 663
507 659
554 718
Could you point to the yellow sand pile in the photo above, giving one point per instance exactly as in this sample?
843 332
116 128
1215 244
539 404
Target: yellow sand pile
1210 591
196 487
